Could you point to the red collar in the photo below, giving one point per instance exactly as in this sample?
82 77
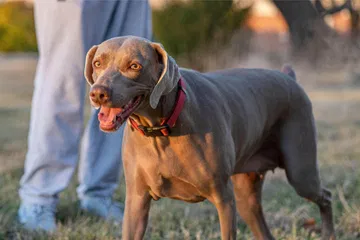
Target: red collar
168 123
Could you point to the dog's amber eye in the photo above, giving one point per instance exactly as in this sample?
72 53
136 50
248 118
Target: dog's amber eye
97 64
135 66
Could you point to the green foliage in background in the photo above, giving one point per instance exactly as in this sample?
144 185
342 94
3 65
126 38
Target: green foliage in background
17 31
185 27
181 27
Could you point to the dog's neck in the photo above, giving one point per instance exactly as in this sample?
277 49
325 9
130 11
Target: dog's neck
149 117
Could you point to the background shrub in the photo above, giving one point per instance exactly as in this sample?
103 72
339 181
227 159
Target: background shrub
185 29
17 31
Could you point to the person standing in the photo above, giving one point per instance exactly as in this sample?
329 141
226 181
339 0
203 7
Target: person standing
65 31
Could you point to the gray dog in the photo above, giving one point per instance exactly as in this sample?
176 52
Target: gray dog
194 136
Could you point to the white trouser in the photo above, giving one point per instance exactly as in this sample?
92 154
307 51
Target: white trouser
65 31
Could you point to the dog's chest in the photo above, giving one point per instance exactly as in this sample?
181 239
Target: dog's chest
174 188
172 167
172 178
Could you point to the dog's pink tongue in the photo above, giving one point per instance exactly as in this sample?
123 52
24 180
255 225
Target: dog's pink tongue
108 115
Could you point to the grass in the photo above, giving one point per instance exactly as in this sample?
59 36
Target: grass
338 121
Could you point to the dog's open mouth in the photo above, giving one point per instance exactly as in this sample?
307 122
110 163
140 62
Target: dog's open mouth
112 118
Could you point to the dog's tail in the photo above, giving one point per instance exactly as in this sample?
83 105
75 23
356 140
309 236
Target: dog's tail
287 69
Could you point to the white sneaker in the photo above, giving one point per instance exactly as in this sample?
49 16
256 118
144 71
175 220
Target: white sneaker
37 217
103 207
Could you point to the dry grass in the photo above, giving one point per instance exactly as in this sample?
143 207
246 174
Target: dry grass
338 121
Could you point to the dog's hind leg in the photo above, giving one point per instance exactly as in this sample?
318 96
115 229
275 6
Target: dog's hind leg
247 188
298 146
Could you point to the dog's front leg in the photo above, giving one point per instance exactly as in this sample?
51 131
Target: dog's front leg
137 208
224 201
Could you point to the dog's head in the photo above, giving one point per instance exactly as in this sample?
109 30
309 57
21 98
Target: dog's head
127 73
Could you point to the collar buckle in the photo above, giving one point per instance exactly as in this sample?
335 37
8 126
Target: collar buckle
163 130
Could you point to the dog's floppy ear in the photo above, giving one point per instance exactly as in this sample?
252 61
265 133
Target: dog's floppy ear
88 71
169 77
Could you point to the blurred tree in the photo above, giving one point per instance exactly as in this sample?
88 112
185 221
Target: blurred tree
306 21
17 30
347 5
184 28
303 21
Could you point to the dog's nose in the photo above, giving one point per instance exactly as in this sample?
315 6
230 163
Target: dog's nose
99 94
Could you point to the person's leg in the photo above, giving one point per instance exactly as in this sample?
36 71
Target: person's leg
100 162
57 110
